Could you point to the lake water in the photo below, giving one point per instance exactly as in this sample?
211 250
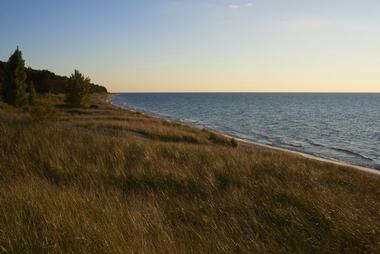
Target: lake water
344 127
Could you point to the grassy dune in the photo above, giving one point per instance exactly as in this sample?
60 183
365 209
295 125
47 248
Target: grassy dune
105 180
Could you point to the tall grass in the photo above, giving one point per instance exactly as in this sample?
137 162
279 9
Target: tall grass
106 180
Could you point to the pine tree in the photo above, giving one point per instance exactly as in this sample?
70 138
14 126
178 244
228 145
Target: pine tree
32 94
78 89
14 88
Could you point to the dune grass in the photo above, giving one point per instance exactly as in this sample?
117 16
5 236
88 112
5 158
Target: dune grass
106 180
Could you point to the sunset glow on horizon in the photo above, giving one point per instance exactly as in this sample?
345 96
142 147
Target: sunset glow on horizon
201 45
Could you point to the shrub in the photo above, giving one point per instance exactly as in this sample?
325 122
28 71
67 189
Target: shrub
43 111
78 90
1 81
234 143
32 94
219 139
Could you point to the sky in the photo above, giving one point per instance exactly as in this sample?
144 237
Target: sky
201 45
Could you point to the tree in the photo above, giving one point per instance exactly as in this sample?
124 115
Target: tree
14 87
78 89
32 94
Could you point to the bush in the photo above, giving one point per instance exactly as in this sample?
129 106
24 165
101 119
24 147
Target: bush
1 81
219 139
234 143
78 90
43 111
32 94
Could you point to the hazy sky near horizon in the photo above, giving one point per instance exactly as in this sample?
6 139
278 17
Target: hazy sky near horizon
201 45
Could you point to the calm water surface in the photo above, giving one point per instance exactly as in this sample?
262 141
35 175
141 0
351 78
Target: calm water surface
344 127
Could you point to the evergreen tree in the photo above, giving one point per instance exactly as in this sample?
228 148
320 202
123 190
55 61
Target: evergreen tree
14 88
78 89
32 94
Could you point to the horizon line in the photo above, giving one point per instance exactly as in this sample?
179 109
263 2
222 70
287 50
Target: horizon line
216 92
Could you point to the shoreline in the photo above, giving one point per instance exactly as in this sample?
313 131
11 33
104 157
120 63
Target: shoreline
252 144
305 155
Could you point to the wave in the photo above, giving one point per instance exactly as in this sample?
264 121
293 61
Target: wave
351 153
191 120
314 143
261 135
288 142
342 150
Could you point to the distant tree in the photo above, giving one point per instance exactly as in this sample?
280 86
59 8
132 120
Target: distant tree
46 82
78 89
14 87
98 89
32 93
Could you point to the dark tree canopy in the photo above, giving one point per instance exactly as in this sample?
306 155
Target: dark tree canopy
14 87
48 82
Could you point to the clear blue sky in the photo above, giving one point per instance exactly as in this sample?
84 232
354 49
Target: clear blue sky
201 45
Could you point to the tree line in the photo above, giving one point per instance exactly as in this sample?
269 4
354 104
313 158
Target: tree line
19 85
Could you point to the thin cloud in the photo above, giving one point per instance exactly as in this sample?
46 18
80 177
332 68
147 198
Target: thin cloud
234 6
240 6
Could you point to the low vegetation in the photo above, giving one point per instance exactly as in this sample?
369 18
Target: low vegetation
98 179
